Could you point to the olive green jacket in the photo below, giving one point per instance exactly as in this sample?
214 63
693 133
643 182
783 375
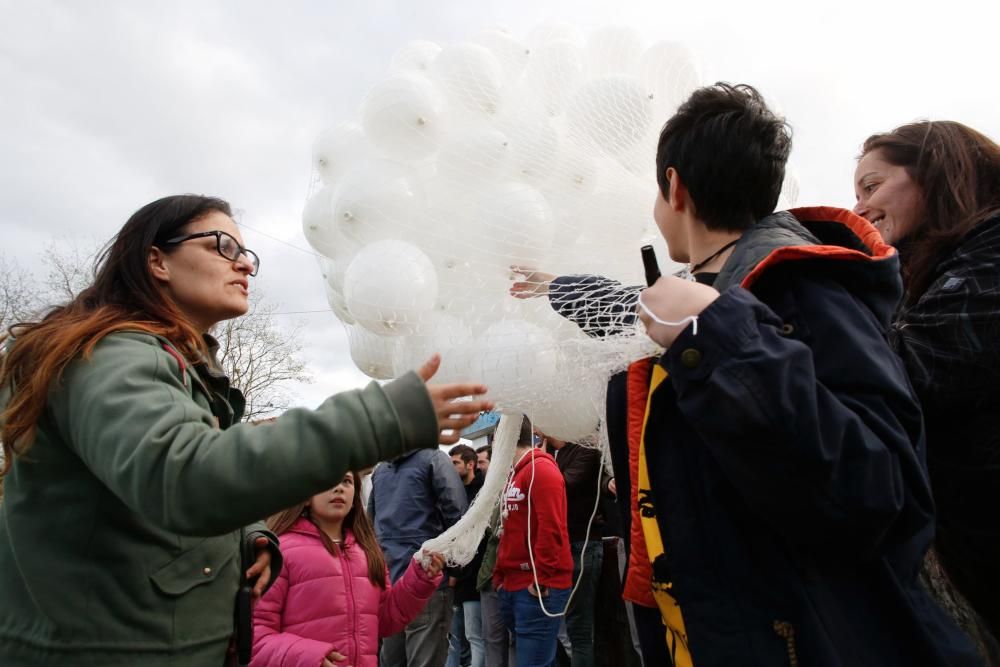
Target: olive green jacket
119 528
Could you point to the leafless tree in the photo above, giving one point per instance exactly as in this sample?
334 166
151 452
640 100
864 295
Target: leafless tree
261 358
17 302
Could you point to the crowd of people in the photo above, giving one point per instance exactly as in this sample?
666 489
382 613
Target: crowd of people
804 476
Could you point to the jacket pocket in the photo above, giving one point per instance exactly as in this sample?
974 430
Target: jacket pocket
199 588
197 566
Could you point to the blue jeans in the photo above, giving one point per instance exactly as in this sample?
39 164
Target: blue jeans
580 614
534 632
458 647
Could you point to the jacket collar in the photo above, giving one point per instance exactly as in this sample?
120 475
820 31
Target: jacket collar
304 526
822 240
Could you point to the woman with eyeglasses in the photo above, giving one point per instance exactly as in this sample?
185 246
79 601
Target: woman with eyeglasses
129 486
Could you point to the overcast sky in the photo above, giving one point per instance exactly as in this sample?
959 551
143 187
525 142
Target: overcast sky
106 105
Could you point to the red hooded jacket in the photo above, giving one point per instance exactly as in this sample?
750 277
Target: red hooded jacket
536 476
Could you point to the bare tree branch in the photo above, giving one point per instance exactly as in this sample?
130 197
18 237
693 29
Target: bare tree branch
261 358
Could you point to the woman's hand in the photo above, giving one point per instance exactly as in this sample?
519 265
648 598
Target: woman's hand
334 659
532 284
453 415
261 567
672 299
434 565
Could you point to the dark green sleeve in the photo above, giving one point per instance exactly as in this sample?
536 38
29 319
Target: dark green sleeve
129 416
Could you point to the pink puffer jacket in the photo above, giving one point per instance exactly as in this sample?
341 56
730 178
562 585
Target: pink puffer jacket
321 603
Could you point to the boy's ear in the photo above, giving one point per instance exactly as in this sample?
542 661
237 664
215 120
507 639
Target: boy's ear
157 266
678 199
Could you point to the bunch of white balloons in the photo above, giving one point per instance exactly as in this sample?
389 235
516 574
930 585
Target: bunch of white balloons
473 158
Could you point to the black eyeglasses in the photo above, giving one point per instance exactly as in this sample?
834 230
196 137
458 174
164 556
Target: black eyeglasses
225 244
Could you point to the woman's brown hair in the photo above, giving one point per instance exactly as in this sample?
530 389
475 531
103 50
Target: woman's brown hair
957 170
123 296
356 521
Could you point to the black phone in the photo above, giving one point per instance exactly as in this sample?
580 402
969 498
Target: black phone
244 604
650 265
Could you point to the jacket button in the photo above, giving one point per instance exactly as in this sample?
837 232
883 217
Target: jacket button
690 357
207 571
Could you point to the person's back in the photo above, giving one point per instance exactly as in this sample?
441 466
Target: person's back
783 493
414 498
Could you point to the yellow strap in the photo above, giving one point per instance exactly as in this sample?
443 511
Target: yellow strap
670 611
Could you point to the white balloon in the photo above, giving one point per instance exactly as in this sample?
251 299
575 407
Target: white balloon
403 117
510 52
517 220
473 157
339 149
534 146
614 50
789 196
439 333
389 286
414 56
669 72
318 224
377 201
574 175
372 354
337 304
612 112
471 77
554 72
617 215
550 32
573 408
514 356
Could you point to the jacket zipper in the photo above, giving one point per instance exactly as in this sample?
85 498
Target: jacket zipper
346 570
785 630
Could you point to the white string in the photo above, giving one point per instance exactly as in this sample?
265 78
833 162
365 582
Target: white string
583 551
693 319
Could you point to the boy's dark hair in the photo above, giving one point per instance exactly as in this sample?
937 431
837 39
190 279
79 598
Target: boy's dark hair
524 438
730 150
467 453
488 449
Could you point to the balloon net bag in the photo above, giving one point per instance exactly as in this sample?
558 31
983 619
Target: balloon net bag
495 161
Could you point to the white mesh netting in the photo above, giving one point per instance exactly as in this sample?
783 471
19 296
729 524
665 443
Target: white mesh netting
475 165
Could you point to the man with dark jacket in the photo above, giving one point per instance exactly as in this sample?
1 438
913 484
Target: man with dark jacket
465 640
581 470
414 498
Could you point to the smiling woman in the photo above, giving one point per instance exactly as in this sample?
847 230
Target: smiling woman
122 446
933 189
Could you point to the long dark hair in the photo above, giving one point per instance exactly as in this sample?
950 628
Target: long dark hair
356 521
957 170
123 296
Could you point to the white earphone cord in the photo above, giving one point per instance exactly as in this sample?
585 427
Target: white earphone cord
693 319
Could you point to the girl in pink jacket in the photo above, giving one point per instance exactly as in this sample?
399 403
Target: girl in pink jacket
333 600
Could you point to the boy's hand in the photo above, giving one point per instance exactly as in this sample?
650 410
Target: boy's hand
534 283
672 300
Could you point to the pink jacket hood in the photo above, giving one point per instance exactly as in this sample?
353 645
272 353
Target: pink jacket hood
322 602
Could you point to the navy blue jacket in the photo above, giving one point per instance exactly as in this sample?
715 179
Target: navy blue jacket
786 457
414 498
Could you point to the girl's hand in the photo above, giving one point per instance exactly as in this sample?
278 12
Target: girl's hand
435 565
453 415
333 659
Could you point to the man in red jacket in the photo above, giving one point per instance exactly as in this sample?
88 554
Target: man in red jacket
534 568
